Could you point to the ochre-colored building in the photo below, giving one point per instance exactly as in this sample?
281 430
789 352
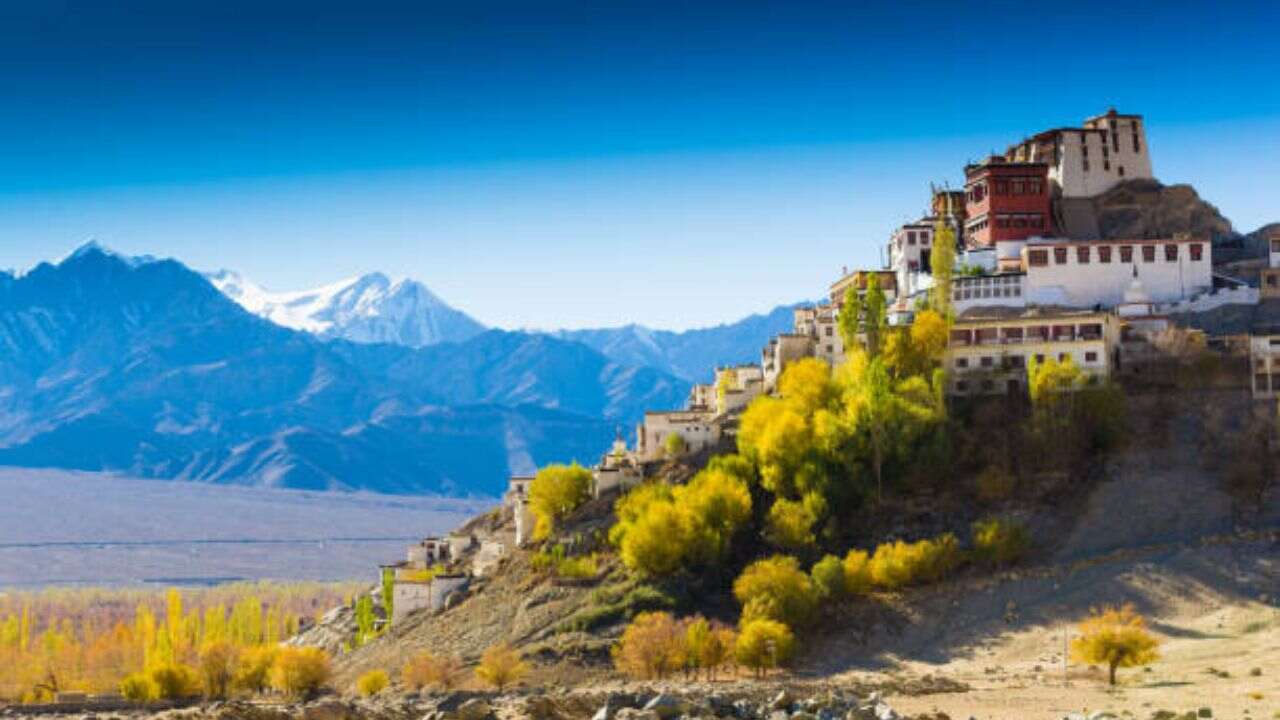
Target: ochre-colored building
1006 201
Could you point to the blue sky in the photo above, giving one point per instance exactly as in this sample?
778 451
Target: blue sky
557 164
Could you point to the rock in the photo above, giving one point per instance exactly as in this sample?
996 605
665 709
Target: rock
330 709
782 701
803 715
884 712
779 715
474 709
634 714
1102 715
666 706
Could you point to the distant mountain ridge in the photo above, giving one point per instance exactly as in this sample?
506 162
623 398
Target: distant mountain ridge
371 308
375 309
143 367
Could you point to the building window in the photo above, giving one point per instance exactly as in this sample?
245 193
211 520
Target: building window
987 362
1082 255
1104 254
1091 357
1171 253
1148 253
962 386
1136 147
1272 281
1196 252
1038 258
1017 361
1126 253
1060 256
962 363
828 331
987 385
1062 357
911 238
1039 357
1121 170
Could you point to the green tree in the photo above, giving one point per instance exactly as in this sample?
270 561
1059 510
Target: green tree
999 541
763 644
556 491
874 322
942 263
674 445
388 593
849 320
364 620
829 577
776 588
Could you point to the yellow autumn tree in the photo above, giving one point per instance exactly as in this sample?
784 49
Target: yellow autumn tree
1117 638
652 647
556 491
763 644
777 589
500 666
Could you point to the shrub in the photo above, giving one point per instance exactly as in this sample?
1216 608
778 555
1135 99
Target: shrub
999 542
218 662
776 588
651 647
674 445
500 666
899 563
372 683
556 491
857 572
658 542
300 672
708 645
139 687
581 567
1115 637
174 681
253 671
828 577
763 644
790 524
427 670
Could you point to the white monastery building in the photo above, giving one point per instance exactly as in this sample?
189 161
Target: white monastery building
1090 160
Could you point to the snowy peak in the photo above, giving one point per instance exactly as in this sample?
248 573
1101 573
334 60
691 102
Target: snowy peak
370 308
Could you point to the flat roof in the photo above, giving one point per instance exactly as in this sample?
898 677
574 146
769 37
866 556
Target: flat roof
1034 312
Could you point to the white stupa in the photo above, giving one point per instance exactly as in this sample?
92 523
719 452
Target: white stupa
1137 303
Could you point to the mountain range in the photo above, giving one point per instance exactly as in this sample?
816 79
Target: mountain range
143 367
374 309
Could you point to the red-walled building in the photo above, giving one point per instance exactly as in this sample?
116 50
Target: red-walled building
1006 201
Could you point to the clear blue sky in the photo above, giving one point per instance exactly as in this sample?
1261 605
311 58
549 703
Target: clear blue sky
548 164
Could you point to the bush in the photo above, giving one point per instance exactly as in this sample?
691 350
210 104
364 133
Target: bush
790 524
674 445
651 647
899 563
427 670
829 577
174 681
300 672
500 666
556 491
139 687
857 572
775 588
1000 542
253 671
708 645
218 662
763 644
1115 637
372 683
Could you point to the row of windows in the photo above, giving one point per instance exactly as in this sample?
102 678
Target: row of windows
911 237
1020 220
1033 333
1017 361
989 280
1006 186
975 293
1013 386
1040 257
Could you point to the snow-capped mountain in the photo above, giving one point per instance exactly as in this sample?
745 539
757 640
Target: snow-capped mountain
366 309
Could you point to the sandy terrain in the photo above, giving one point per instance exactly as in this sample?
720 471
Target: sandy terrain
1215 605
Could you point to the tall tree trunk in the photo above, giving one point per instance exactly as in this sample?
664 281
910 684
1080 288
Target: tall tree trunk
1113 673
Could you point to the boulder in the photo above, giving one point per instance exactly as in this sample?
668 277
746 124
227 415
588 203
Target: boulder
328 709
666 706
782 701
634 714
474 709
